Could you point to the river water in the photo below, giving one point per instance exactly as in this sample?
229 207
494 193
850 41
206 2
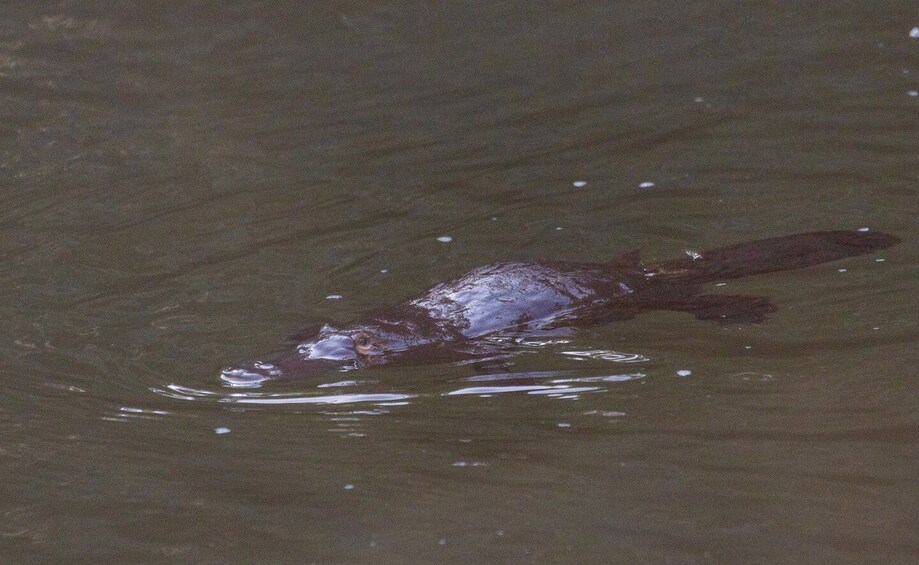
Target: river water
185 184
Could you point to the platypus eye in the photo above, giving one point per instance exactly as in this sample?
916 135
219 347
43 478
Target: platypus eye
365 344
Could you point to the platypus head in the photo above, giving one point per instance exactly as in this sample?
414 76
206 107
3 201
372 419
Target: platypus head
331 350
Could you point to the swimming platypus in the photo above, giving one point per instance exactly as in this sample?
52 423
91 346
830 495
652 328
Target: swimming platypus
454 319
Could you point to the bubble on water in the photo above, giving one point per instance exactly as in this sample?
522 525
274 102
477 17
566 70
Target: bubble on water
698 100
221 430
880 260
563 425
684 372
579 183
913 93
914 33
445 239
384 271
864 229
349 486
646 184
559 228
842 270
334 297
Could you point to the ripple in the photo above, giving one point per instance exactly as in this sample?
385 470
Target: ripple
180 392
607 355
387 398
555 377
341 384
605 379
536 342
752 376
518 376
563 384
529 389
126 413
557 384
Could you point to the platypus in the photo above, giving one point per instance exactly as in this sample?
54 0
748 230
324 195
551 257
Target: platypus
454 319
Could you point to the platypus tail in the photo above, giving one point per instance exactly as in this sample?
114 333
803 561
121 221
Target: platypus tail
775 254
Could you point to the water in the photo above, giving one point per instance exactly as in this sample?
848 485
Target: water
182 187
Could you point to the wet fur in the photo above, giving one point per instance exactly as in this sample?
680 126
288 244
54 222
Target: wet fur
450 319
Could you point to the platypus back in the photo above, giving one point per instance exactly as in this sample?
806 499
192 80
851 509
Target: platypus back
774 254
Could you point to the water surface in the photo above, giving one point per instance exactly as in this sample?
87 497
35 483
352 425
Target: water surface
182 187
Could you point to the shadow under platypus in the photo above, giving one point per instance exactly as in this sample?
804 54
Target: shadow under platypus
453 319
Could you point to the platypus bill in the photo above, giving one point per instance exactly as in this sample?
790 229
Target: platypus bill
450 320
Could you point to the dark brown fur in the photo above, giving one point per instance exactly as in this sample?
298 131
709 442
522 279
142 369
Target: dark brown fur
516 297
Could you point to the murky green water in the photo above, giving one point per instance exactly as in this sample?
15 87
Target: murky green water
183 186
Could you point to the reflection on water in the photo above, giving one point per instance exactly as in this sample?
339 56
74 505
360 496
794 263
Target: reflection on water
552 391
126 413
380 399
551 384
607 356
561 384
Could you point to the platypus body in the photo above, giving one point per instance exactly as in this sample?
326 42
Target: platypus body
454 319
